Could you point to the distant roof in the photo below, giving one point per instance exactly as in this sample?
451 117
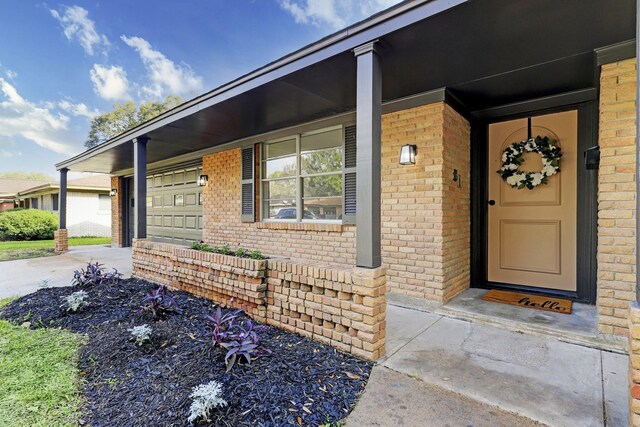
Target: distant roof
100 181
11 187
94 182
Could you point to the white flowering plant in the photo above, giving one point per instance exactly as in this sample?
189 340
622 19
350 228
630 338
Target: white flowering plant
512 160
76 301
205 398
141 334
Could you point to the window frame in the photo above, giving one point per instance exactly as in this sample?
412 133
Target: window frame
299 177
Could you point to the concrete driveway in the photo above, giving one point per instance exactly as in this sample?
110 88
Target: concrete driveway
25 276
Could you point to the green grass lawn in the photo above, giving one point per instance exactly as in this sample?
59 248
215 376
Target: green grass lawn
38 248
39 377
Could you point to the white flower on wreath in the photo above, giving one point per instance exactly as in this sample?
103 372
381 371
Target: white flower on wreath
536 178
549 170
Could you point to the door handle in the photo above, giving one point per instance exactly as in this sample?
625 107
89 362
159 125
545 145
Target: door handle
491 202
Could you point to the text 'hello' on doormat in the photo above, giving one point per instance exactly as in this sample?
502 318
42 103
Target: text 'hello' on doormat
557 305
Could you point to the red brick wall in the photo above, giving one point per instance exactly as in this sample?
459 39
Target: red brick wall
221 206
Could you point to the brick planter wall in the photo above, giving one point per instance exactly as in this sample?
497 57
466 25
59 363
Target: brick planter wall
341 306
214 276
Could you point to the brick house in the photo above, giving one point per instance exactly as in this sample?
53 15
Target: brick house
9 189
365 165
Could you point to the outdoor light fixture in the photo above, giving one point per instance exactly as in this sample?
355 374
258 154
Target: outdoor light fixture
202 181
408 154
113 192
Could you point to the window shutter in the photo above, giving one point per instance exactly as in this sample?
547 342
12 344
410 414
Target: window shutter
349 182
247 182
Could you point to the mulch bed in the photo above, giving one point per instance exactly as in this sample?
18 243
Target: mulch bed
301 383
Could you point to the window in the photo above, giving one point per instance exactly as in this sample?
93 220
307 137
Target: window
302 177
104 203
34 203
55 202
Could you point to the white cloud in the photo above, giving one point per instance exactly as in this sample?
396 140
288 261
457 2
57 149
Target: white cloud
110 82
166 77
336 13
6 154
20 117
76 25
79 109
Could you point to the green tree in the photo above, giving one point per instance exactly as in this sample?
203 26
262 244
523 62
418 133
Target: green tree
126 116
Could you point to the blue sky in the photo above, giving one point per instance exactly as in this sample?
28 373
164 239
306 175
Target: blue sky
63 63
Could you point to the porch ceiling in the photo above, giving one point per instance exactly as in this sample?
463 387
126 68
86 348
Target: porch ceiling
487 52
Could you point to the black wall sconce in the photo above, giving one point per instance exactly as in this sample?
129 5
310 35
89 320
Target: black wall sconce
408 154
113 192
202 181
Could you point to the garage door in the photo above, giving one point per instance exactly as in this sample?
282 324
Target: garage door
174 205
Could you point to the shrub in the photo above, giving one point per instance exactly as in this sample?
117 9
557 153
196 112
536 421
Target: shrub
95 274
27 224
236 335
205 398
141 334
76 301
226 250
159 302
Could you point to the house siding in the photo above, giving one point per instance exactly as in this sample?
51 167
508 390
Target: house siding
84 218
616 196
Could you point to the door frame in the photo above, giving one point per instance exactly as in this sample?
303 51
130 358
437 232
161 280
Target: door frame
587 197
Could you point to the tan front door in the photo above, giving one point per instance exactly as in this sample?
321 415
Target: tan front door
532 233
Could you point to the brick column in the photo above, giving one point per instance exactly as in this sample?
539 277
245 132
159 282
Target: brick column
61 239
116 212
616 196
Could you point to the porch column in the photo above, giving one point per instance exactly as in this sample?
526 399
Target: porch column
140 186
62 201
368 141
60 236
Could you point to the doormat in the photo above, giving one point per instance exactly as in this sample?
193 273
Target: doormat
538 302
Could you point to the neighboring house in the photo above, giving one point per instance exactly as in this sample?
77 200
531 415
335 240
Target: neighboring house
366 163
9 188
88 204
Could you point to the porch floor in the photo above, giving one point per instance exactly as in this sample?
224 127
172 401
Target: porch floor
538 376
580 327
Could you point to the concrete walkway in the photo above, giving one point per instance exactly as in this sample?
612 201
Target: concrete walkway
25 276
532 375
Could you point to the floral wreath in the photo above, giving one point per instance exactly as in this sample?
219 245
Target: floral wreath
512 159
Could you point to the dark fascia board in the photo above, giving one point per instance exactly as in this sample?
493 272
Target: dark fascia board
392 19
615 52
569 98
425 98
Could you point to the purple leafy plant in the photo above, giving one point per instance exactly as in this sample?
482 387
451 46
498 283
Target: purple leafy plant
236 335
95 274
160 302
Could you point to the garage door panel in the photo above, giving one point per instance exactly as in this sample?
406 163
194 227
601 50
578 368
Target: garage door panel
175 210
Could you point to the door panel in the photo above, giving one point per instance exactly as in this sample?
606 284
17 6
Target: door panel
174 212
532 233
